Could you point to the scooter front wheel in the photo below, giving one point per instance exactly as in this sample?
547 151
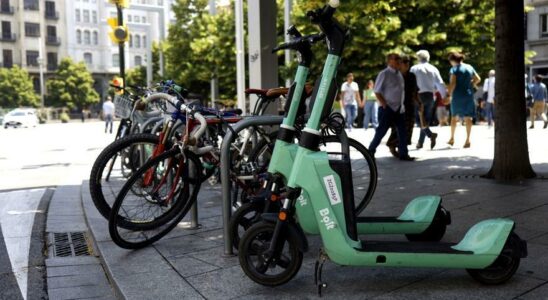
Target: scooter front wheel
266 267
246 215
504 267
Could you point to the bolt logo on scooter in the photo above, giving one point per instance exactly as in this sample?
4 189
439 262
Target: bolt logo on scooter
271 251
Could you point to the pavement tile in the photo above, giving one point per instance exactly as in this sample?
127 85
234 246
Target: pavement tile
79 292
538 293
536 262
456 284
542 240
183 245
165 285
188 266
94 279
122 262
71 261
215 256
74 270
227 283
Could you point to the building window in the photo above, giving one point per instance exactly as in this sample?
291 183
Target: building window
136 19
32 58
94 16
79 36
87 37
137 42
86 16
145 41
95 38
131 41
88 58
52 61
32 29
31 5
51 13
544 25
7 56
138 61
78 17
115 60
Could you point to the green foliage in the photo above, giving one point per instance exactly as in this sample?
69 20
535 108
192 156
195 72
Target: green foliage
379 27
201 46
16 88
72 86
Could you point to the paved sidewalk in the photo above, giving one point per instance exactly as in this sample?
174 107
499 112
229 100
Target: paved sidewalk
189 264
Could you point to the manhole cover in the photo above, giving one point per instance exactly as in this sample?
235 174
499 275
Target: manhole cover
67 244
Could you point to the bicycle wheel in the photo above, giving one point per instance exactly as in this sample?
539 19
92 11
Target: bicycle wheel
364 168
155 199
114 166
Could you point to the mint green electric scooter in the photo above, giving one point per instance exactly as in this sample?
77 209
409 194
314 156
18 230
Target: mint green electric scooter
271 251
424 219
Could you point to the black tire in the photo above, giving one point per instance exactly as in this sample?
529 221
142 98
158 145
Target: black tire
103 194
243 218
364 168
131 231
504 267
434 232
254 243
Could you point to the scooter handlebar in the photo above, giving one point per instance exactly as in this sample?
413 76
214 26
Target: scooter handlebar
299 42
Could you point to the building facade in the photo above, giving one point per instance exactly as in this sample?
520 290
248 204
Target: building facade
537 36
32 35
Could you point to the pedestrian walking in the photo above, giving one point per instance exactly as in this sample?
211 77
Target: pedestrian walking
461 89
350 97
389 90
429 81
489 90
539 94
369 105
108 113
411 100
441 110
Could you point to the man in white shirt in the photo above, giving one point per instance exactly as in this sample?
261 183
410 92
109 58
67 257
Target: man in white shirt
350 96
429 80
489 88
390 92
108 113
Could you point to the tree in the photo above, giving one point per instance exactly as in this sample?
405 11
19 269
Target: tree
511 159
72 86
138 76
201 46
16 88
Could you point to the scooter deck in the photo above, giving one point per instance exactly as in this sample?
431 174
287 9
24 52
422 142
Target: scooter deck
410 247
381 220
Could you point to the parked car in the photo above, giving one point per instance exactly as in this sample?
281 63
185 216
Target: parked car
21 117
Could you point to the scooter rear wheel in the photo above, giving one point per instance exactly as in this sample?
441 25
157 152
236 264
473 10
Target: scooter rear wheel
434 232
265 268
246 215
504 267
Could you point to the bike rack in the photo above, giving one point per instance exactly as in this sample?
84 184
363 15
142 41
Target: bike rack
225 167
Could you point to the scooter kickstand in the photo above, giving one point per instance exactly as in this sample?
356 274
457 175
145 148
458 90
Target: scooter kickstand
322 257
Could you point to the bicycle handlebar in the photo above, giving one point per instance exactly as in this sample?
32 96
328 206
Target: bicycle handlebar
182 107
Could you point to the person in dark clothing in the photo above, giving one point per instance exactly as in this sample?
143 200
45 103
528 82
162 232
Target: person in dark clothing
410 101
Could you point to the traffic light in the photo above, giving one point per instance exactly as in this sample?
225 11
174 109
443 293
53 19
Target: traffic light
119 33
118 84
121 3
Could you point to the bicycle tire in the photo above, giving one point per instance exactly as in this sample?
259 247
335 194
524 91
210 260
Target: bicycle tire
129 233
96 185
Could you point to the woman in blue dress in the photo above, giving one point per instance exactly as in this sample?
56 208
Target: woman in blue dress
461 90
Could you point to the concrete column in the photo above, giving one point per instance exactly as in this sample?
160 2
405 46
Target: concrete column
263 64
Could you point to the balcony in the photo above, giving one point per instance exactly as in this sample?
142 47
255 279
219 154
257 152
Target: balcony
7 10
53 41
32 6
52 15
8 37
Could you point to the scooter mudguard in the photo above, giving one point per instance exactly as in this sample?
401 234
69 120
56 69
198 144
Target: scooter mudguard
291 229
487 237
415 219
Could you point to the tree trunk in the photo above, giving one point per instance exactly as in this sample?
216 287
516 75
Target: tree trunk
511 159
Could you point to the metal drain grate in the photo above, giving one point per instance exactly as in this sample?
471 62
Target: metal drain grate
67 244
465 176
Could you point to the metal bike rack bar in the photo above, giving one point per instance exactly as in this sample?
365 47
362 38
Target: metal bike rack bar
225 168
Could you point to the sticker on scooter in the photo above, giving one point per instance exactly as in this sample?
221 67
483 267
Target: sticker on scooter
302 200
329 223
332 190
